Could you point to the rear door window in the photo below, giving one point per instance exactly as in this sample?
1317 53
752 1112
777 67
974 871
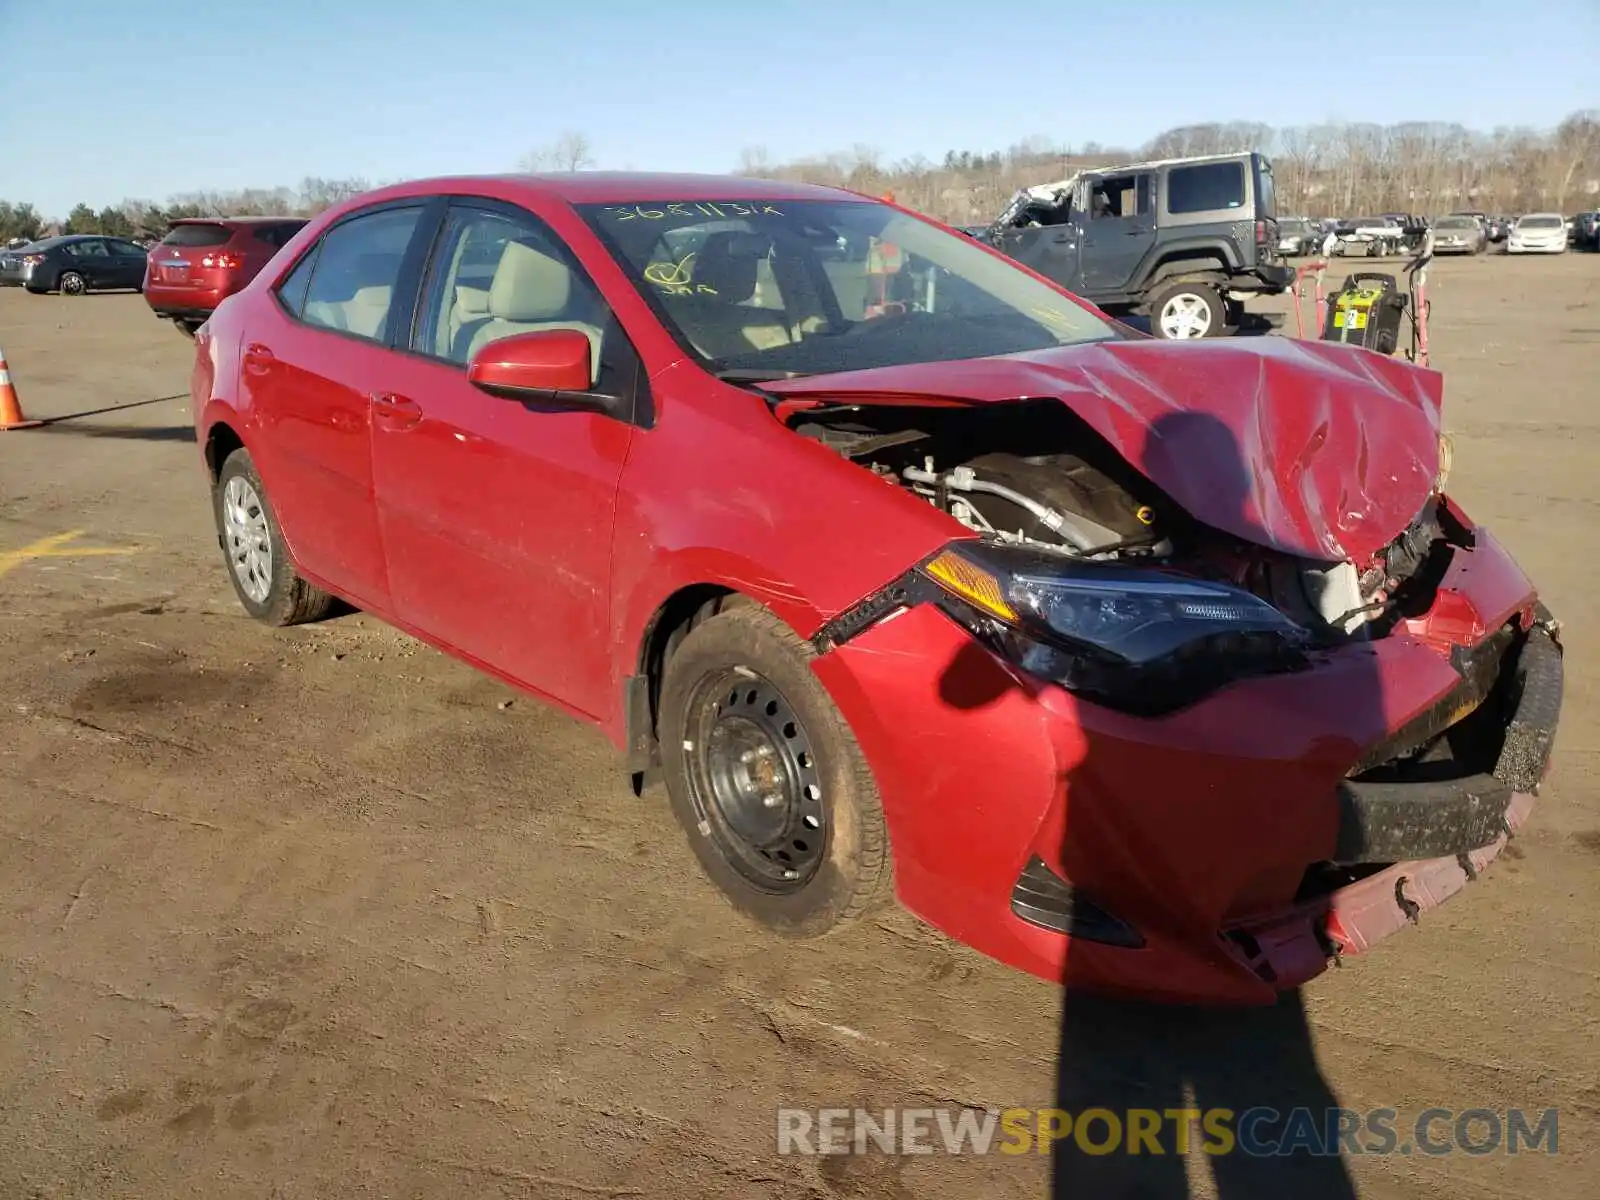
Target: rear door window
352 288
197 234
1205 187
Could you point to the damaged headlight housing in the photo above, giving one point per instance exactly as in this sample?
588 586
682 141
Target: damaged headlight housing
1136 639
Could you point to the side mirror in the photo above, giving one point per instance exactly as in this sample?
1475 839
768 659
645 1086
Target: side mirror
551 368
532 365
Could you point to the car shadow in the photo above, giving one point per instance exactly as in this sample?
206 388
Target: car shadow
111 408
137 433
1213 1088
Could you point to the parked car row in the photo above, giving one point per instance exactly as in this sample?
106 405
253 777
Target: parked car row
200 262
74 264
1456 233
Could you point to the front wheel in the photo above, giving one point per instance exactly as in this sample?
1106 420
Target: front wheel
72 284
1181 311
766 778
258 561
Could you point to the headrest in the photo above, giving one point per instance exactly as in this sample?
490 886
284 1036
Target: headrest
472 300
529 285
727 262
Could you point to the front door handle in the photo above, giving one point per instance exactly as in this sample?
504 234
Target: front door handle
395 412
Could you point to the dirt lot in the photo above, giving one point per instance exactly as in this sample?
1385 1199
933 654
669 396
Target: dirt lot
317 912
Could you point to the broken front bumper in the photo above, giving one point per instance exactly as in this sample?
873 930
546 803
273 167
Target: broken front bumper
1436 835
1189 857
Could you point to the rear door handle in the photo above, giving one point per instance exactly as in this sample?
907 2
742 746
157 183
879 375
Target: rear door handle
257 358
395 412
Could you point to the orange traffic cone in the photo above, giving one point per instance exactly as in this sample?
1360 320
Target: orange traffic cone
10 407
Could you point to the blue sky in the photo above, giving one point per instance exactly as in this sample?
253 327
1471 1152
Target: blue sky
146 99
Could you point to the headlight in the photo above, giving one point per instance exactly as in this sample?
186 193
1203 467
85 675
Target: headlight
1142 640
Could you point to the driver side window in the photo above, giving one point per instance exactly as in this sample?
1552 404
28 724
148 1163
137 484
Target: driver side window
496 275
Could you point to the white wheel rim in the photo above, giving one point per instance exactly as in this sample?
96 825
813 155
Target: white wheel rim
1185 316
244 521
72 284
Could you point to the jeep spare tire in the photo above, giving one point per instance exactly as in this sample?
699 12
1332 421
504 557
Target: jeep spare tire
1183 310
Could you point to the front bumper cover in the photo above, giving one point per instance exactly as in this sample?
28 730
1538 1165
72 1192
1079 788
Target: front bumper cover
1198 831
1386 820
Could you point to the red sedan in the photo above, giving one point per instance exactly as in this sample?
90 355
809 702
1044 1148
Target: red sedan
1162 669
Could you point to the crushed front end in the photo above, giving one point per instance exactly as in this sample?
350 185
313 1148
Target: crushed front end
1281 762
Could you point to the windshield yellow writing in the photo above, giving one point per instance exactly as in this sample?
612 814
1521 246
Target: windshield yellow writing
692 209
670 274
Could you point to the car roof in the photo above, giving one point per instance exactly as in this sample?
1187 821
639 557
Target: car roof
618 187
242 221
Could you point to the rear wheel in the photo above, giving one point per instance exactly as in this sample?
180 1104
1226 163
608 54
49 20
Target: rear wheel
72 284
258 562
766 778
1184 310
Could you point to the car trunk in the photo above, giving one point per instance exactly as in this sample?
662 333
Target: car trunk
193 255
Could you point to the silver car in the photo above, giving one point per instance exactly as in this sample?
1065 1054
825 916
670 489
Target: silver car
1459 235
1538 233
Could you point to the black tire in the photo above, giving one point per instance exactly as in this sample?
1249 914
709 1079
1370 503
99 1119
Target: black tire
1204 293
730 655
185 327
71 283
288 599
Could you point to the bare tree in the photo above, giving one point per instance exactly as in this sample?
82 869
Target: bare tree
1323 170
755 160
569 152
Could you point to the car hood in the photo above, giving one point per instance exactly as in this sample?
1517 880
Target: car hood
1316 449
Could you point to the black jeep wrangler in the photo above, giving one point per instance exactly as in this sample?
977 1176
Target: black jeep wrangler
1179 240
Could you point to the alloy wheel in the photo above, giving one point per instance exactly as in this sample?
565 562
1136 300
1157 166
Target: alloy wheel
1186 315
249 541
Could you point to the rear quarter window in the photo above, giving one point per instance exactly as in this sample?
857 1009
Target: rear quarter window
277 235
1205 188
203 234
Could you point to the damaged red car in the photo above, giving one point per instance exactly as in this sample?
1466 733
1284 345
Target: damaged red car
1170 670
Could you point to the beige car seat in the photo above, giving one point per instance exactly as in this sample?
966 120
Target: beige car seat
723 323
533 291
366 282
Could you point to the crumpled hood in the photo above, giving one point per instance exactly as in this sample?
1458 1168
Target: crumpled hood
1312 448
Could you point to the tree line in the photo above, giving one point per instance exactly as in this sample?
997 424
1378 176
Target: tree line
147 219
1331 170
1328 170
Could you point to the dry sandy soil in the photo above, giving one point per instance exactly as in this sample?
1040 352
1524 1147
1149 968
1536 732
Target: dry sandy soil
321 911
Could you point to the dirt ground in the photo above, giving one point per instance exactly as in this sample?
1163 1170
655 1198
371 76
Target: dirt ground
319 911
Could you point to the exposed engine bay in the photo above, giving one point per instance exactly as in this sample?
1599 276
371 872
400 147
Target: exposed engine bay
1033 473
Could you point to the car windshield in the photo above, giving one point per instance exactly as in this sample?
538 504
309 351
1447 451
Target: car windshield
1291 225
1541 223
1455 223
804 287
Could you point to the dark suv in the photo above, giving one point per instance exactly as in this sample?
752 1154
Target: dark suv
1178 239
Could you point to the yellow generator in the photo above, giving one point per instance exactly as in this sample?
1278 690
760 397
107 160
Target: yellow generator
1367 311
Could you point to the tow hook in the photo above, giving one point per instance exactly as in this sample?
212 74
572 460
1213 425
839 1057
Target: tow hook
1407 906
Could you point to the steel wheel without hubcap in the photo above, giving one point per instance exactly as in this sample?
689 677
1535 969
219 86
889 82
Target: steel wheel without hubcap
248 538
72 284
753 779
1186 315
